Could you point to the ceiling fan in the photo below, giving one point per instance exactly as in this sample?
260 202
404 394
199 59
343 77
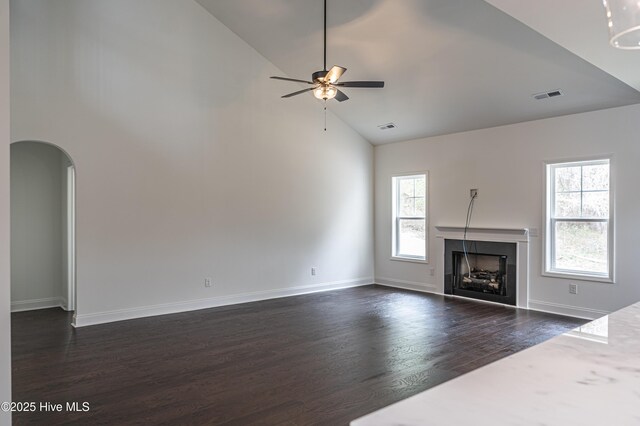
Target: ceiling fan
325 83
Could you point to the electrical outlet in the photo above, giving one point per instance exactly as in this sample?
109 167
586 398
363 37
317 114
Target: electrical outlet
432 271
573 288
473 193
207 282
314 271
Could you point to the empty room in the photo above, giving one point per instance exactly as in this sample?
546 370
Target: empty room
319 212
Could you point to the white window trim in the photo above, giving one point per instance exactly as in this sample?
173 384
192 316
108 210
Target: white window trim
547 246
394 219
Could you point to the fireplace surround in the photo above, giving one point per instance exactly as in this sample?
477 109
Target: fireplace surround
516 271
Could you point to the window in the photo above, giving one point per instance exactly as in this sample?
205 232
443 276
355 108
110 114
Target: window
579 237
410 217
594 331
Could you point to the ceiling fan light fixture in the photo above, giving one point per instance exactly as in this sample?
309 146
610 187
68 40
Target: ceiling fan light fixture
623 19
325 92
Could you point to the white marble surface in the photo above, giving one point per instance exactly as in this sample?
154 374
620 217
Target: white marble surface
590 376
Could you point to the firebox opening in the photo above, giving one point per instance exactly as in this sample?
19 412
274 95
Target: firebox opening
488 272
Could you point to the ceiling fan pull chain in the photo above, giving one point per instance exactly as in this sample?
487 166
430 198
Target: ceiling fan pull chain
325 115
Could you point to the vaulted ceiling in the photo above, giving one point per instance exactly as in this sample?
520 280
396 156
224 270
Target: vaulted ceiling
449 65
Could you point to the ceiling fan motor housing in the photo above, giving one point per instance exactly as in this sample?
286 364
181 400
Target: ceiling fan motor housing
318 76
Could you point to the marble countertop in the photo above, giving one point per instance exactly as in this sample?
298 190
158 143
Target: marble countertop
589 376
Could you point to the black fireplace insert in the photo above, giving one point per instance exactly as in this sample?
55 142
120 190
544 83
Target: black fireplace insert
486 272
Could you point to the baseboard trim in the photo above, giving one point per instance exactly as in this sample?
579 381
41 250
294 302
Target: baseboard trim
84 320
534 305
407 285
567 310
35 304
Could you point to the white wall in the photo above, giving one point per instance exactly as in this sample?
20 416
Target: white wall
5 318
37 218
506 164
188 163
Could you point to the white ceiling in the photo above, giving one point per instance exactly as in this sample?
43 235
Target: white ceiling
449 65
578 26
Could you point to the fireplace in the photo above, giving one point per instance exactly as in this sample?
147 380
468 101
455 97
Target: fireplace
483 270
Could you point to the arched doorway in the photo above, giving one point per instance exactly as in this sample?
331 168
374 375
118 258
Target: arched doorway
43 269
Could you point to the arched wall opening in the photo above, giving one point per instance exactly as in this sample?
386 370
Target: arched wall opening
43 259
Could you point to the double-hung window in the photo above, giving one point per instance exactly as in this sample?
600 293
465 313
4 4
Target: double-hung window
409 239
579 225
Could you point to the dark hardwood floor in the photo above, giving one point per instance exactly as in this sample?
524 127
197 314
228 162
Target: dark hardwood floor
324 358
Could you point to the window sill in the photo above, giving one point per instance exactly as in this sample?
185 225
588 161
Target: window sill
580 277
408 259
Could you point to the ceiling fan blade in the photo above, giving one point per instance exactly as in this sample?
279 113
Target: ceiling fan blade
363 84
292 79
341 97
299 92
334 74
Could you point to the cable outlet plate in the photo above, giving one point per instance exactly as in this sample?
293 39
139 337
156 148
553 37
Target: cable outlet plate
473 192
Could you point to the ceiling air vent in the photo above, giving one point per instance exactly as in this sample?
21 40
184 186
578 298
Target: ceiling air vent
551 94
386 126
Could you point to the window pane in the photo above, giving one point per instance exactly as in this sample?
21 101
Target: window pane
595 177
407 191
407 206
567 205
581 246
411 238
420 207
595 204
406 187
567 179
421 187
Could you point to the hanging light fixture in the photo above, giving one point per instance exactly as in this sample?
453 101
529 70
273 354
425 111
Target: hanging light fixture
325 91
623 18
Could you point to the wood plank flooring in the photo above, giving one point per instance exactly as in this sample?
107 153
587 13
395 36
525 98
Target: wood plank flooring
317 359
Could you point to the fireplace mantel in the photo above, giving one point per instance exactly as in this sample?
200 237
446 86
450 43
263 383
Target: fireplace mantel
484 234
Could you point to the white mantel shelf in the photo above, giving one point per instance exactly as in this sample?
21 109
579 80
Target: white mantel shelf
484 234
512 231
